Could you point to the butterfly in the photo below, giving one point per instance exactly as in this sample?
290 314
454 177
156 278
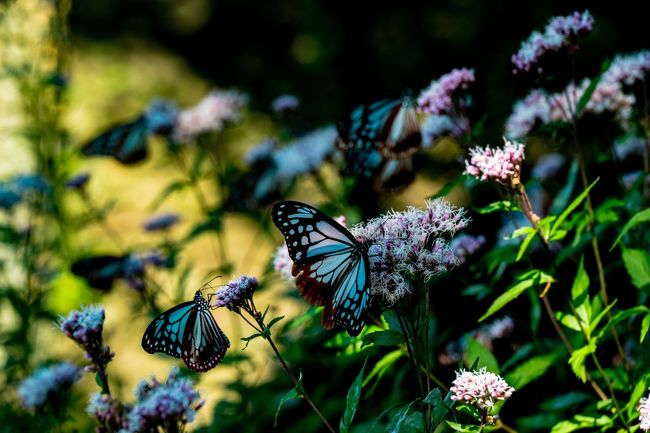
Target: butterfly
331 267
101 271
127 142
188 331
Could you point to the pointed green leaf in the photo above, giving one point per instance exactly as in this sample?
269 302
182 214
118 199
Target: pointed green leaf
449 186
637 263
578 359
295 392
531 370
526 281
498 206
476 351
574 204
644 327
387 337
395 424
352 401
638 218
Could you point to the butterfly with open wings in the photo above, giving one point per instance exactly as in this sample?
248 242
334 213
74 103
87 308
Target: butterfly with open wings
188 331
331 267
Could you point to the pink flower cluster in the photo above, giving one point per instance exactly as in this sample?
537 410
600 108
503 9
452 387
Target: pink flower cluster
560 32
532 111
644 410
436 126
235 293
211 114
409 246
438 97
501 164
628 69
480 388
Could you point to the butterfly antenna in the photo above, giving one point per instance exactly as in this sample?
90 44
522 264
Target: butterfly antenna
207 283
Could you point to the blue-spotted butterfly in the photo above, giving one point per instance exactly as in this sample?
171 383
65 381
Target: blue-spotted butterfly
331 267
127 142
378 140
188 331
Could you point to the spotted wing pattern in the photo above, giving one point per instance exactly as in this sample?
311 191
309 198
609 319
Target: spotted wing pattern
330 265
188 331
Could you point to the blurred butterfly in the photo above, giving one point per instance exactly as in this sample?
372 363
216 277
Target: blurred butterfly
331 266
378 140
127 142
188 331
102 271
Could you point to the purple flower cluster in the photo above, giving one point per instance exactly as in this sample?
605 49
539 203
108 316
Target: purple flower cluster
135 266
304 155
161 222
560 32
629 146
234 294
160 405
644 410
85 328
486 335
465 245
108 411
628 69
285 103
532 111
438 98
436 126
409 246
548 166
501 164
78 181
211 114
480 388
46 383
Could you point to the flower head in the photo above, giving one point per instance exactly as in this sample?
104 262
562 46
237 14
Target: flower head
644 410
560 32
527 113
628 69
211 114
282 263
78 181
480 388
501 164
436 126
548 166
465 245
163 404
262 151
85 327
108 411
305 154
438 98
629 146
284 103
47 382
409 246
161 222
234 294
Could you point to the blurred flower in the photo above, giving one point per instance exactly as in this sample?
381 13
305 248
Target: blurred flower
135 266
629 68
211 114
161 405
534 109
486 335
234 294
78 181
629 145
108 411
85 328
282 263
480 388
161 222
548 166
501 164
409 246
644 409
21 187
629 179
437 126
262 151
305 154
438 97
161 116
47 382
8 196
466 245
501 327
560 32
284 103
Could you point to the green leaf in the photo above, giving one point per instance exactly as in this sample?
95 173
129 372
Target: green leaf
531 370
271 323
644 327
212 224
295 392
638 218
103 386
395 424
440 407
527 280
580 294
584 99
578 358
467 428
352 401
620 316
574 204
250 338
568 320
388 337
498 206
639 391
637 263
524 245
476 351
383 365
580 422
564 195
198 162
173 187
449 186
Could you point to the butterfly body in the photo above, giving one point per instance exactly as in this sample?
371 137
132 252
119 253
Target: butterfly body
331 267
188 331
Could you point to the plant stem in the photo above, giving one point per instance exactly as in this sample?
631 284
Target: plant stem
611 391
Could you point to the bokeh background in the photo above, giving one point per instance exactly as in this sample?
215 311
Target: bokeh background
333 55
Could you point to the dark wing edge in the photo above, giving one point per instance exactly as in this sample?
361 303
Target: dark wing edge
212 347
150 342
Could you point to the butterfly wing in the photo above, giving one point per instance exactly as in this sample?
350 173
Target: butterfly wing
127 142
100 271
401 136
331 266
364 127
166 333
205 344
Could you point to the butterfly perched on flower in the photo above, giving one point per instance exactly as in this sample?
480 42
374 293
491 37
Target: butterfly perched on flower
378 140
188 331
331 267
127 142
